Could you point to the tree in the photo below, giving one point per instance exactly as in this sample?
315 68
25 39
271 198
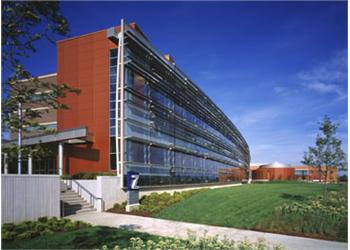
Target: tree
327 152
24 23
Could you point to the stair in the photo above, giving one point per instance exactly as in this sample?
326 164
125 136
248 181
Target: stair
72 202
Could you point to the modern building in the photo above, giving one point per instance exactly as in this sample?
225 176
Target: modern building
312 174
138 111
279 171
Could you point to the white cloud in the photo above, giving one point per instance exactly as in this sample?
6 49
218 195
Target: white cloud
279 90
328 77
284 91
262 115
324 88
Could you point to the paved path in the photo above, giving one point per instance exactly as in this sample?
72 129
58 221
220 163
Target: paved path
173 228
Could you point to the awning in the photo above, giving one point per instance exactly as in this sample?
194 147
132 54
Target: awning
70 136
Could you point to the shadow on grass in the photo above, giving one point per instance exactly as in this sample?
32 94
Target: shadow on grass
293 197
108 236
130 227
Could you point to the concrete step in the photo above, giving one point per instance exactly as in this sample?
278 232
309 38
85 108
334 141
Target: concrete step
74 202
76 206
84 210
70 199
73 198
69 194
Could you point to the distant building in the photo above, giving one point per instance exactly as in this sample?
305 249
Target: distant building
48 119
279 171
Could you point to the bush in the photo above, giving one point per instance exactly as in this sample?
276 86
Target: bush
120 206
207 243
25 235
323 215
91 175
8 226
43 219
343 178
43 226
69 226
8 235
155 202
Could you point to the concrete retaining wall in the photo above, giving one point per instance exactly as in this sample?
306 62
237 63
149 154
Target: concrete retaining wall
105 187
175 189
28 197
108 188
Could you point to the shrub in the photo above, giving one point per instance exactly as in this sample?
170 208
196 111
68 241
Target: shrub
8 226
21 228
47 232
207 243
42 219
155 202
91 175
8 235
25 235
120 206
323 215
69 226
40 227
43 226
343 178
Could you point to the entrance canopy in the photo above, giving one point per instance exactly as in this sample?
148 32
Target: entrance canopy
70 136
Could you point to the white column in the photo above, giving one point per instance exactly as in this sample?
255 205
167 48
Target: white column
6 164
250 176
60 158
30 163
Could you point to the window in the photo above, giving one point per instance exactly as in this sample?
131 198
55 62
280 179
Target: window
135 81
300 172
112 145
113 62
157 155
136 152
139 83
113 53
113 161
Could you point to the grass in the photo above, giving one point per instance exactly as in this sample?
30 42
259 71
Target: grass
244 206
87 238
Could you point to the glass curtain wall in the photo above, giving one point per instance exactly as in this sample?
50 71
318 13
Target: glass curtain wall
170 136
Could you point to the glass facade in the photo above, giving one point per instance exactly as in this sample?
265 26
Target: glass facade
173 133
301 172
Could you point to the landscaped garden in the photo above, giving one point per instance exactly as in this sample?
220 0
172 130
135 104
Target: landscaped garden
295 208
64 234
55 233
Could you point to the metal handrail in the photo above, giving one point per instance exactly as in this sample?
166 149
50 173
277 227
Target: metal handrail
92 196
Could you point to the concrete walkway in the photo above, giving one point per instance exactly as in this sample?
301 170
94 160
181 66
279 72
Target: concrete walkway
173 228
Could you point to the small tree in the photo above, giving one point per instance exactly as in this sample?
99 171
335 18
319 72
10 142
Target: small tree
327 152
24 23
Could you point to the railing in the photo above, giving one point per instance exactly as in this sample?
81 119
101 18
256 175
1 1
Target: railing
80 187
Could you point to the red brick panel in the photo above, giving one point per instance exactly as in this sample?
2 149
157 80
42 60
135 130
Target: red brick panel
83 63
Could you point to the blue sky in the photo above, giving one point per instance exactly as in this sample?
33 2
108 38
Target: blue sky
275 68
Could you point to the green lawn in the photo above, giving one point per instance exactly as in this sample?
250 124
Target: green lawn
241 207
87 238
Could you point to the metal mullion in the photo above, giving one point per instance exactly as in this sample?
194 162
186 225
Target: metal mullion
215 108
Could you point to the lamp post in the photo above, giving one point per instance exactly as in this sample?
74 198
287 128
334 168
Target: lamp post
19 139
